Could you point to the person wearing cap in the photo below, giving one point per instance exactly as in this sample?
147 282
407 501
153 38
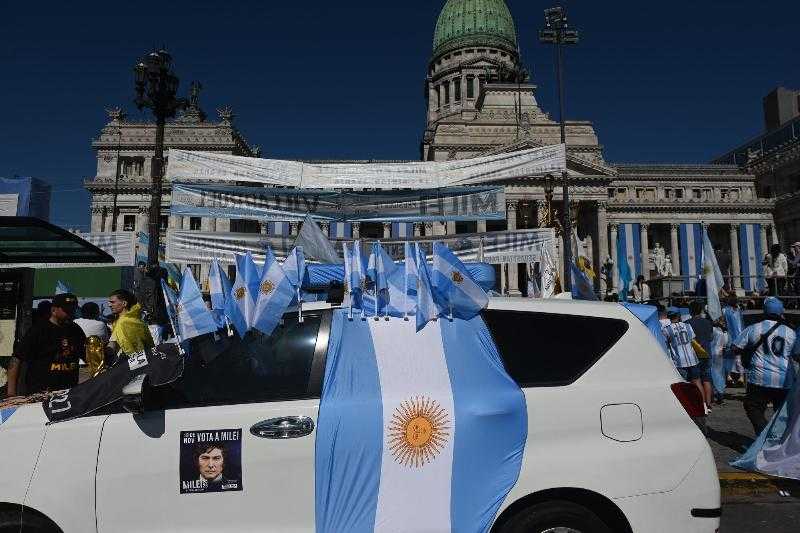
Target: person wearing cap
770 373
50 351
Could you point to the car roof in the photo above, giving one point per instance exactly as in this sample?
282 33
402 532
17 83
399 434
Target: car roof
565 307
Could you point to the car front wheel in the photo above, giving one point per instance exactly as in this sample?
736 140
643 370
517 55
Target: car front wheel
555 517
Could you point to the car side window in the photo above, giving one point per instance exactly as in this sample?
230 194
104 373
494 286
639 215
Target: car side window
283 366
550 350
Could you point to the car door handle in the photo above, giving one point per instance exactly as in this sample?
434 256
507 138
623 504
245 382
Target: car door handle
284 427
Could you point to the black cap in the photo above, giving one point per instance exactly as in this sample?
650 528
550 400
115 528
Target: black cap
66 301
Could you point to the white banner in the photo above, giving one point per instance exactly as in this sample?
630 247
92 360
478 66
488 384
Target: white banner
8 205
496 247
120 245
185 166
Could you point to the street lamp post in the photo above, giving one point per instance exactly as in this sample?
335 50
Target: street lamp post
557 33
116 184
156 89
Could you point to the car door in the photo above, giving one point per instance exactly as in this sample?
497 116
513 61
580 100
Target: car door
230 446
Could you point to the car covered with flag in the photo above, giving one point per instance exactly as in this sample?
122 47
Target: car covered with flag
418 404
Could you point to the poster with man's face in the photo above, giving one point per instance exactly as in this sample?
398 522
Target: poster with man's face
211 461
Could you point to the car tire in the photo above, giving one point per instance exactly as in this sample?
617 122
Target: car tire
555 517
12 522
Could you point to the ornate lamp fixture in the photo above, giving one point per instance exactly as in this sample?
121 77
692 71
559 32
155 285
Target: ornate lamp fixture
156 89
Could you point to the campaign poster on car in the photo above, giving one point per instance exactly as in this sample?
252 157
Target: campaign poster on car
211 461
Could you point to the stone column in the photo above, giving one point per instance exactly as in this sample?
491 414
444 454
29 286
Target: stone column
294 228
602 243
614 233
513 270
417 229
432 100
174 222
208 224
675 252
186 222
97 219
736 267
142 218
645 251
387 230
451 228
463 89
356 230
105 220
481 226
503 279
223 225
764 245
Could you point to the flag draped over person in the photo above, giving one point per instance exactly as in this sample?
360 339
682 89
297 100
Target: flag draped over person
625 275
403 425
713 276
275 294
581 285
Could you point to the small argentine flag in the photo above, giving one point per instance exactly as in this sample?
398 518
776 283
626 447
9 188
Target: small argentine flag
239 305
453 285
275 293
192 316
416 431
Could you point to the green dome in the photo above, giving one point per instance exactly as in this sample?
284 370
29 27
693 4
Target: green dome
465 23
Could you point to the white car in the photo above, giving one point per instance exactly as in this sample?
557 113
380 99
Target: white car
611 446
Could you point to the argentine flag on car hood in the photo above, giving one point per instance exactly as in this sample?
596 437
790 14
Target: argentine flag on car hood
417 431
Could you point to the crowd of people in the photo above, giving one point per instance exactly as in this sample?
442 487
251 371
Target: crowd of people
49 356
715 354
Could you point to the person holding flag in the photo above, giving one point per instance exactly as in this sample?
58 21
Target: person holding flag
275 294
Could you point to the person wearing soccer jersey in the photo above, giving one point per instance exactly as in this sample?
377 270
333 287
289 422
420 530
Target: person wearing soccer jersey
679 337
771 372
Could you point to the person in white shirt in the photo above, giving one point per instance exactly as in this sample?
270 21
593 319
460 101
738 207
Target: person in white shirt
776 268
641 291
90 323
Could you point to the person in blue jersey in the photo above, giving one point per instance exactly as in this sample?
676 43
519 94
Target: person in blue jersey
720 344
680 338
769 346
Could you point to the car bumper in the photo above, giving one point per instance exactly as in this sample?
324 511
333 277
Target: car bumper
692 507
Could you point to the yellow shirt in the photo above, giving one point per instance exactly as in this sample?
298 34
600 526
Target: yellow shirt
130 332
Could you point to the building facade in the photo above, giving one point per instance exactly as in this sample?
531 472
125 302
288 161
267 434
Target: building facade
480 101
774 159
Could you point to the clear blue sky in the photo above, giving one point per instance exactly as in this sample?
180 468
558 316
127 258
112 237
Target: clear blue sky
662 81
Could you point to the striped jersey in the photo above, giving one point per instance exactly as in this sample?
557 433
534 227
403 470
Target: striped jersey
719 343
771 365
679 337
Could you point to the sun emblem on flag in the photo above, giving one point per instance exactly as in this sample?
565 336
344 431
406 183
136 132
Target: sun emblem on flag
267 287
239 293
418 431
458 279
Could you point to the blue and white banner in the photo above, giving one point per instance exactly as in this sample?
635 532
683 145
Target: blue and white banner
340 230
279 204
279 228
416 431
402 230
691 244
776 451
629 246
751 255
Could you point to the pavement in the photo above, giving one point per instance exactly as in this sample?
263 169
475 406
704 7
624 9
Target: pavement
729 434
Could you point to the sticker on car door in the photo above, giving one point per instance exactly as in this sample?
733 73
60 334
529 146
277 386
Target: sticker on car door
211 461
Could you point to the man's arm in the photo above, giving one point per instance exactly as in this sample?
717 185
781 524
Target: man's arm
13 377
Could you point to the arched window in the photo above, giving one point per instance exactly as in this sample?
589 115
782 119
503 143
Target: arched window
446 92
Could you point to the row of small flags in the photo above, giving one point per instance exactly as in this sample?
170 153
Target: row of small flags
374 286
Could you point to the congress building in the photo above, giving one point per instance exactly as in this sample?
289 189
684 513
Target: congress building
481 101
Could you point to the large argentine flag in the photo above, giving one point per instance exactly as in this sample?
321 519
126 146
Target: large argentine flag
417 431
629 246
751 256
691 243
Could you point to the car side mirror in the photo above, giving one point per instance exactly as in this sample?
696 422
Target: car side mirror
133 395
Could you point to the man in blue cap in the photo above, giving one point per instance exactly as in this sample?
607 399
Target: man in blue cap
770 373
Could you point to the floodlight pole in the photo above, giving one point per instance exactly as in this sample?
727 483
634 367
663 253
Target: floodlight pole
557 33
